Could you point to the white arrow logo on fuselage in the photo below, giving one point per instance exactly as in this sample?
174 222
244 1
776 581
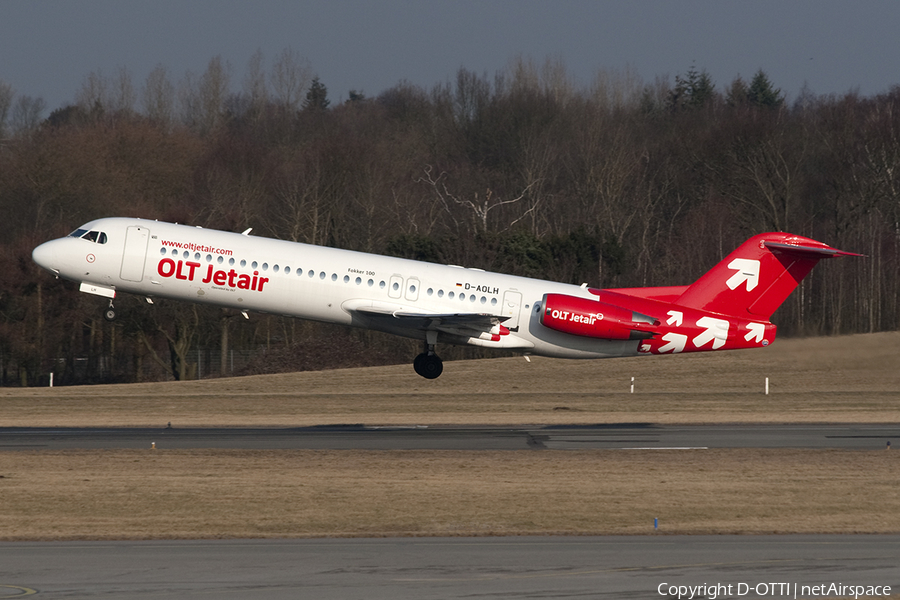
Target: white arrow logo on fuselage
675 318
676 343
716 332
756 330
747 270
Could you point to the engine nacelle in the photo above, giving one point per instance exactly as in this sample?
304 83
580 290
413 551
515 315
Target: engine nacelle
590 318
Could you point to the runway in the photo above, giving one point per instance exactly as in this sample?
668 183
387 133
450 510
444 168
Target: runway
446 568
645 436
422 568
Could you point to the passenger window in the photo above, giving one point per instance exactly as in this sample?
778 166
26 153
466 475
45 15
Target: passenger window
451 295
185 255
322 275
254 264
220 260
209 258
381 284
231 262
265 266
346 279
371 282
334 276
275 269
358 280
174 252
493 302
162 251
440 293
196 256
243 263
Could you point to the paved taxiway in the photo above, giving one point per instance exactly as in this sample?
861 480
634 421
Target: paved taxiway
360 437
409 568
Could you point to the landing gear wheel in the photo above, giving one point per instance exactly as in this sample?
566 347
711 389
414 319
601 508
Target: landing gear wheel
110 313
428 366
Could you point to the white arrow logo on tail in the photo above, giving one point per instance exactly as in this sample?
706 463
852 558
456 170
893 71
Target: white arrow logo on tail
675 344
747 270
675 318
716 332
756 330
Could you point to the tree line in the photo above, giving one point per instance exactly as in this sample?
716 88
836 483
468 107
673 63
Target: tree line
618 183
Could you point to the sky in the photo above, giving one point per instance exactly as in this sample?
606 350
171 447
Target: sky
48 48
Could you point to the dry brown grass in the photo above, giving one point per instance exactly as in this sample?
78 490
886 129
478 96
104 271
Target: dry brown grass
839 379
213 493
288 493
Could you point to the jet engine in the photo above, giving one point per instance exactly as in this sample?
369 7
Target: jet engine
590 318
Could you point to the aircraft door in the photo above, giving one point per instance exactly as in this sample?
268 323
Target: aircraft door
512 304
135 254
395 289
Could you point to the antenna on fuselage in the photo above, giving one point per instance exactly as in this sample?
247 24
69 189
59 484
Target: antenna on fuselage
247 231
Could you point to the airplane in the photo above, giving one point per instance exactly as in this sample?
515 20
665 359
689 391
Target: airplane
727 308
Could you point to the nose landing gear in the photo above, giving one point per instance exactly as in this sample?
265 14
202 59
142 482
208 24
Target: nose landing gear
110 313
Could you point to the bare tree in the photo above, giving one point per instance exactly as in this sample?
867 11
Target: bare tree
94 94
291 74
159 96
213 91
189 100
478 208
123 96
27 114
6 97
255 88
615 90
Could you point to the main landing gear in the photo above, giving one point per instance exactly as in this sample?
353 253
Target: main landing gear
428 364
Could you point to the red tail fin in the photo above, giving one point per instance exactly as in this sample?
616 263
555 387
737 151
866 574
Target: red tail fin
757 277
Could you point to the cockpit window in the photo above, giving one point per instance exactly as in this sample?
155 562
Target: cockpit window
97 237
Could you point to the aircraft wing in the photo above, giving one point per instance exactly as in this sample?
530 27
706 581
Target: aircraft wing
467 324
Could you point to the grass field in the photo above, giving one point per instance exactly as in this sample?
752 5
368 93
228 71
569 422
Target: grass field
264 493
147 494
836 379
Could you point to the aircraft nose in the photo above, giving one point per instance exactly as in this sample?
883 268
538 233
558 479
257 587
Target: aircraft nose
45 256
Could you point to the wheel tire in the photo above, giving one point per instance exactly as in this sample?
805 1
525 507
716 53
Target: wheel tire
109 314
428 366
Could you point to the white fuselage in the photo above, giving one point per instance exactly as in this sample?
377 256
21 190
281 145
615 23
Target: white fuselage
248 273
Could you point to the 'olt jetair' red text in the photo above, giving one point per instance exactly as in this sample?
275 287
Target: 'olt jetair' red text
185 270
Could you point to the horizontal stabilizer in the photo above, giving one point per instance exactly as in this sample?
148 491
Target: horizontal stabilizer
808 251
